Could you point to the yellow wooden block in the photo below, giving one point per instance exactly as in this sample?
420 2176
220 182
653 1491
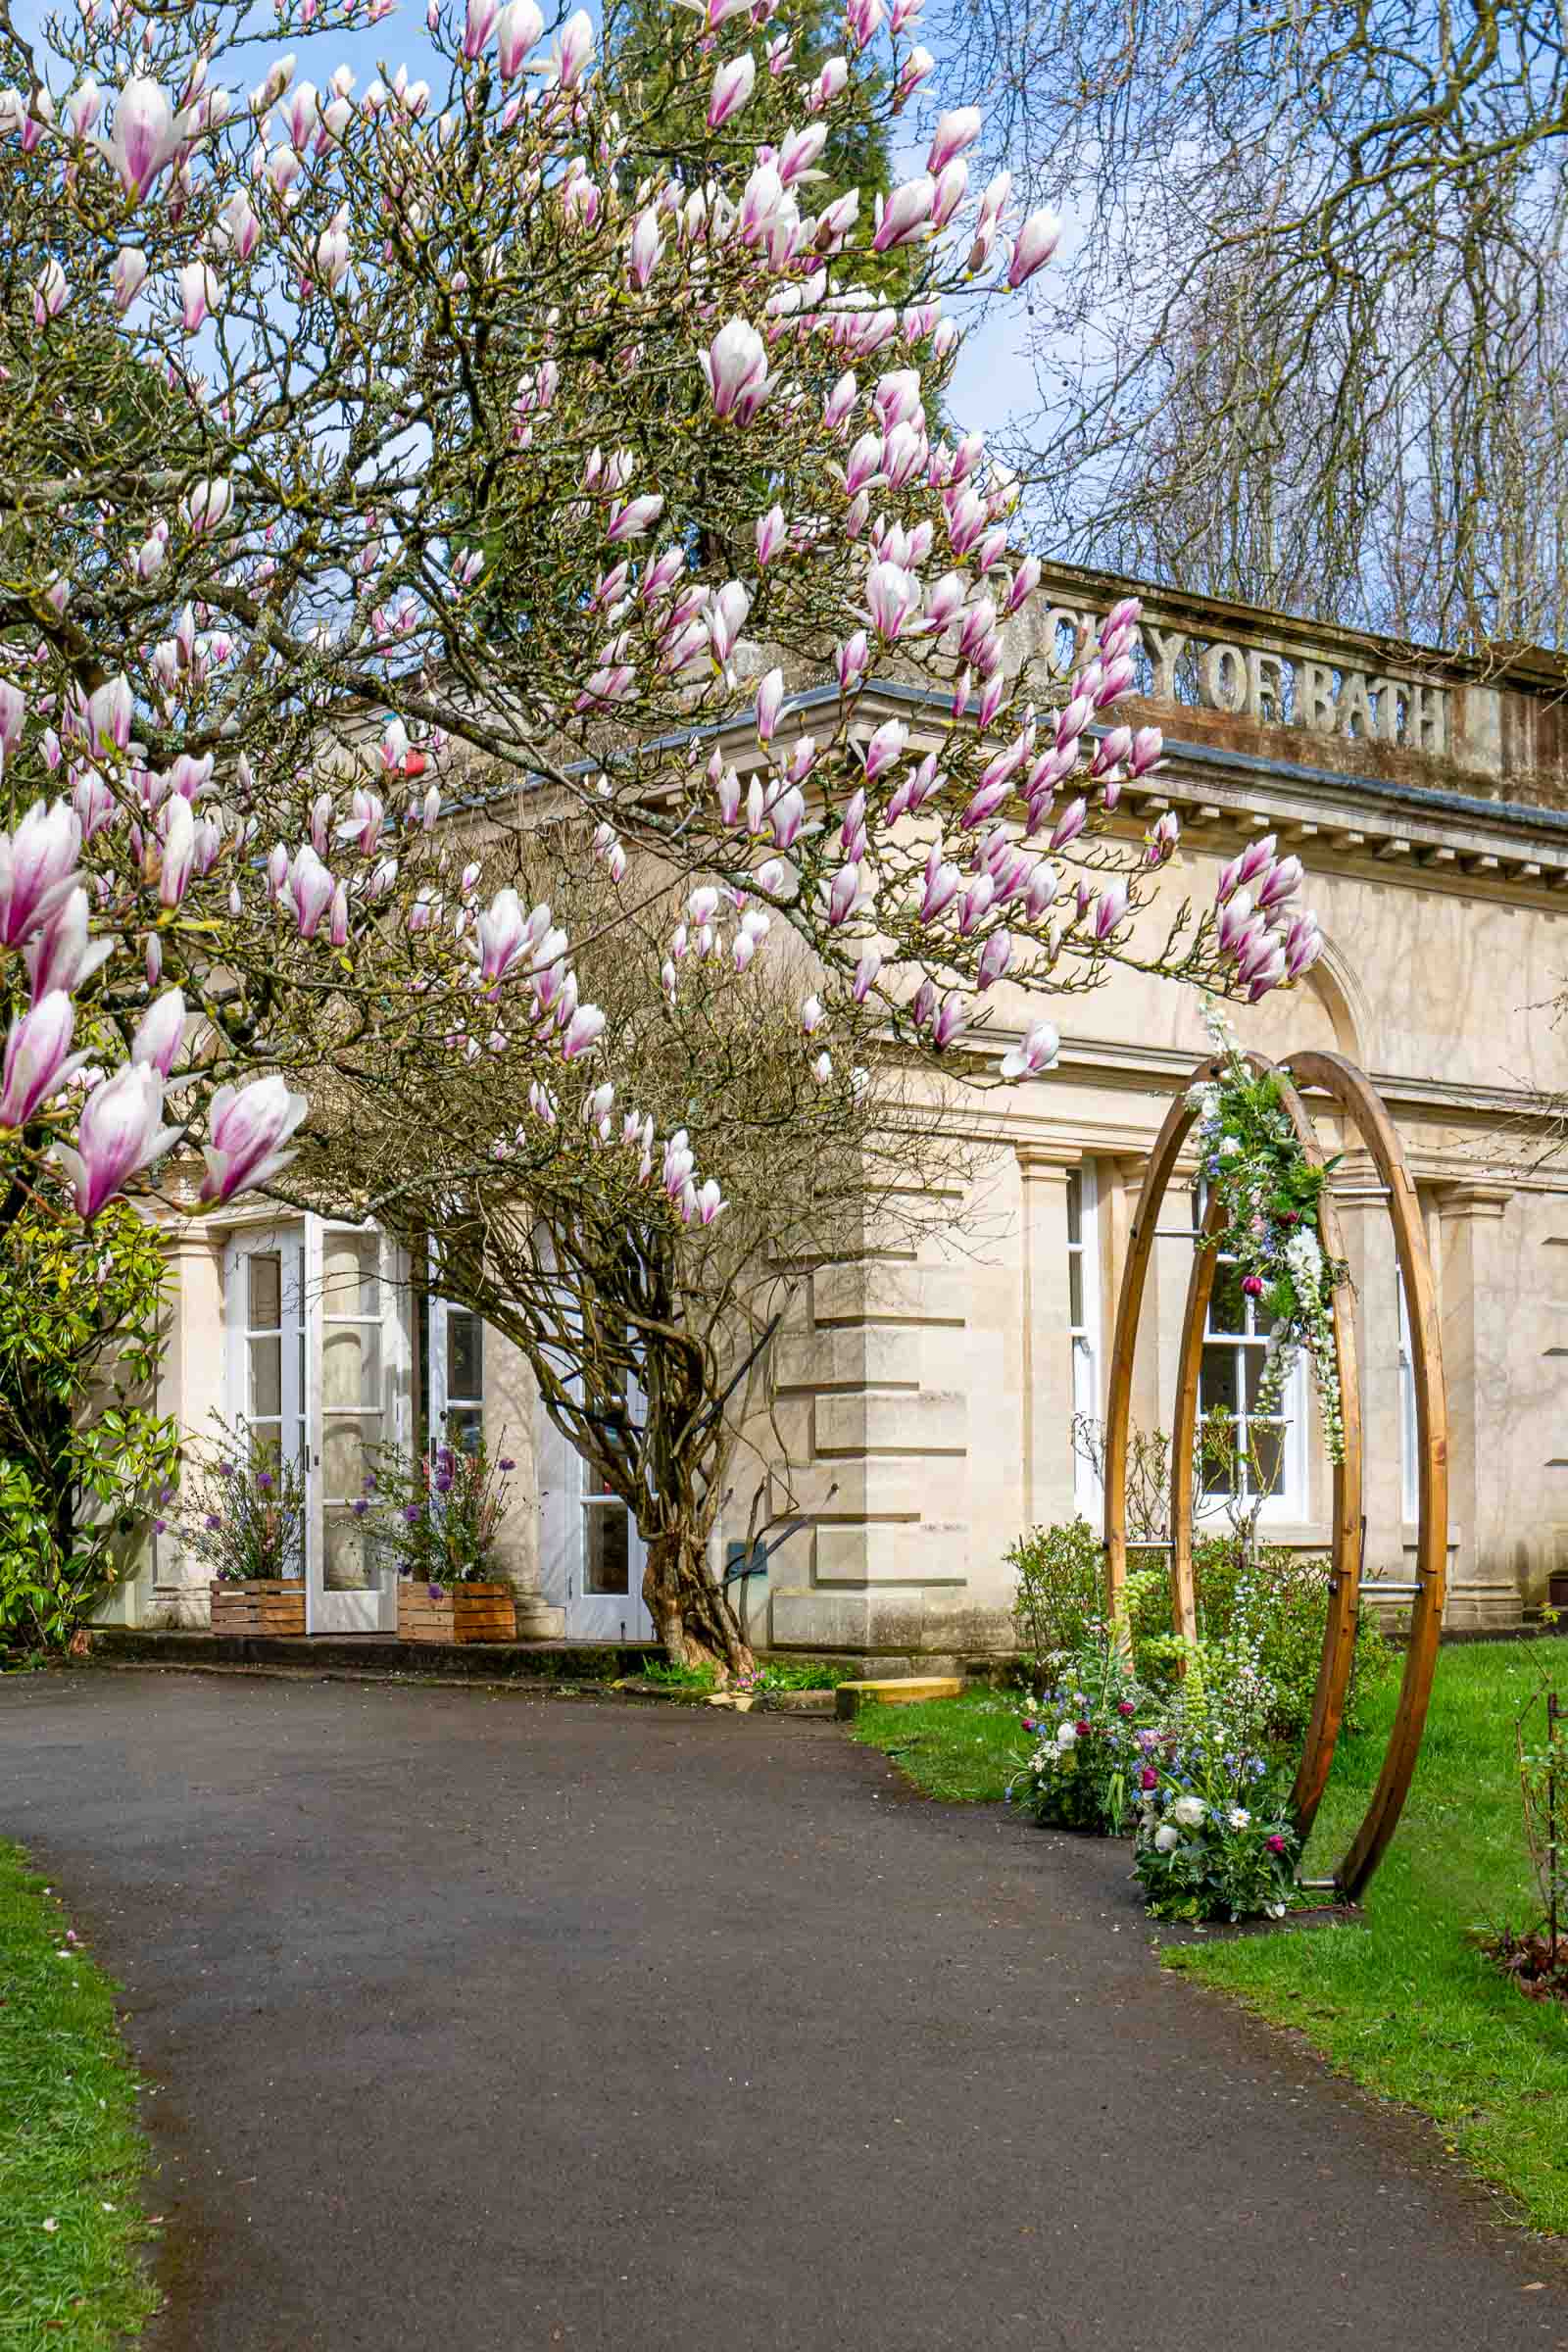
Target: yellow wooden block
906 1691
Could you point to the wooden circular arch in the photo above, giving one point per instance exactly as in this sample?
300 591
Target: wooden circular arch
1358 1100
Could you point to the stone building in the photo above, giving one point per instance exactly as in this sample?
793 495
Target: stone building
929 1402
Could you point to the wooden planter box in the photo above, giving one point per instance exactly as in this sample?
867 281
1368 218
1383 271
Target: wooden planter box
464 1613
274 1608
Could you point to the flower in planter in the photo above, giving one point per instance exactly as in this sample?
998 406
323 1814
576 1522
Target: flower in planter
1167 1838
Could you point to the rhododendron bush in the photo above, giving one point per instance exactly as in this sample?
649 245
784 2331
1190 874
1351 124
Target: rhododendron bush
368 444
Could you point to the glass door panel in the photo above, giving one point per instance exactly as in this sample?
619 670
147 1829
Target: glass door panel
356 1337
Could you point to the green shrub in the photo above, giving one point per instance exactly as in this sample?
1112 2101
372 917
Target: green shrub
1061 1590
1274 1604
84 1459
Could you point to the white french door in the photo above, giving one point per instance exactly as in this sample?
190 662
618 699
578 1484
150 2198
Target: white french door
591 1556
319 1361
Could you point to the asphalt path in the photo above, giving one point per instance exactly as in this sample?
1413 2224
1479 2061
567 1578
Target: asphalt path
481 2021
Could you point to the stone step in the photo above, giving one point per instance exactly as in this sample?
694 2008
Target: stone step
906 1692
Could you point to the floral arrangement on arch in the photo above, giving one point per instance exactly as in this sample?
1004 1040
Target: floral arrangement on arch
1254 1162
437 1519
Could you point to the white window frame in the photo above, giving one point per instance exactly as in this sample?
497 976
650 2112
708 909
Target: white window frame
439 1398
1409 1420
1289 1504
1083 1327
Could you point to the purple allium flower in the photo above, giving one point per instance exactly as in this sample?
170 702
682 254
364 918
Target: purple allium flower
160 1527
438 1593
359 1507
443 1486
225 1469
414 1512
263 1479
505 1464
213 1521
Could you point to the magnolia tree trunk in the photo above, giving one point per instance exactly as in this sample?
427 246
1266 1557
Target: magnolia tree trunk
691 1612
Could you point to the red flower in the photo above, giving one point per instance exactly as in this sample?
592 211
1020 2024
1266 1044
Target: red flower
1276 1845
1149 1778
1084 1730
1252 1285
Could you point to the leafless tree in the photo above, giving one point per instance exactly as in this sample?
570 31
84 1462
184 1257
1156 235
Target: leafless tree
1311 348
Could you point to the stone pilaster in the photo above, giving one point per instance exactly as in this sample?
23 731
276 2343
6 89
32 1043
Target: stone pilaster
1045 1356
1473 1282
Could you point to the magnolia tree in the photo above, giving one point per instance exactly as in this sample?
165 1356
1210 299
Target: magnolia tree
649 1305
362 443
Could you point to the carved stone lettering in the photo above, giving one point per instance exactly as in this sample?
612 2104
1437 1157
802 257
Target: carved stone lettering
1356 711
1314 696
1427 725
1265 687
1166 646
1278 688
1224 674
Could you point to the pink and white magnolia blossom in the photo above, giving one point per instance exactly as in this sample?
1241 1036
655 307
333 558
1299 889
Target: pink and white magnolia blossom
37 869
38 1060
250 1127
214 657
121 1132
732 87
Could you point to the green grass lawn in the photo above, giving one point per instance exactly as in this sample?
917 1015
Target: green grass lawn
70 2153
1406 2004
964 1751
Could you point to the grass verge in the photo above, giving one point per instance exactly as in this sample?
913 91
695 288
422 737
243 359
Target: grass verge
964 1751
1406 2005
71 2152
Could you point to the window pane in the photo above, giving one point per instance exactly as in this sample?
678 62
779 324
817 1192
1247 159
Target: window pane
465 1355
348 1566
463 1427
607 1561
266 1378
344 1456
1075 1288
351 1365
1255 1358
265 1300
1227 1305
349 1279
1217 1384
1268 1453
1075 1208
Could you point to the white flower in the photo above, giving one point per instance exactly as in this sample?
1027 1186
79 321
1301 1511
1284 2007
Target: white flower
1239 1817
1066 1735
1276 1910
1166 1837
1229 1148
1190 1811
1304 1258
